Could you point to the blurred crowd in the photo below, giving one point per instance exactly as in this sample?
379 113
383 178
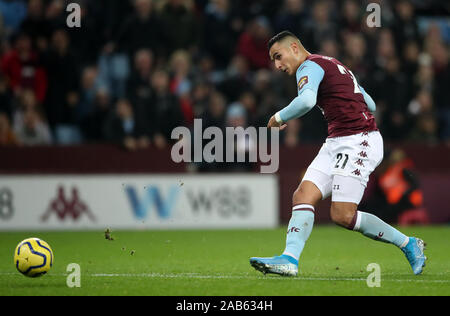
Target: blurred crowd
136 69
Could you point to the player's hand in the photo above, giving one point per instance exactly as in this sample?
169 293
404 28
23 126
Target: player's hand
273 123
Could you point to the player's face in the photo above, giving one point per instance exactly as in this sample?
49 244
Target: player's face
283 55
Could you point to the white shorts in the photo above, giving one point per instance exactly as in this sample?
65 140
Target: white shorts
343 166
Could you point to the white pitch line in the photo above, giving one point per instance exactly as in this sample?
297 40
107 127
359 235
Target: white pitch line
248 277
199 276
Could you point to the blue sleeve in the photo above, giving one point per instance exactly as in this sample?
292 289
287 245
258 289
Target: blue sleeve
309 77
368 99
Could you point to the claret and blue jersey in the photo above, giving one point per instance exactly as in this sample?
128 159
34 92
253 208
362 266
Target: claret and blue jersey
325 82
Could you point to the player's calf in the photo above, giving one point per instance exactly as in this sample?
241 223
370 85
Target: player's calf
343 213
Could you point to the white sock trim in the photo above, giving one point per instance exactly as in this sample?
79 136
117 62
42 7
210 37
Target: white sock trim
405 242
303 207
290 255
358 221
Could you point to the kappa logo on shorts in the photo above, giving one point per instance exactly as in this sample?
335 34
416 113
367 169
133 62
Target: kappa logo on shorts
365 143
359 162
363 154
357 172
301 83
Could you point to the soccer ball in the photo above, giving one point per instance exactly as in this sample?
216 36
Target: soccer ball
33 257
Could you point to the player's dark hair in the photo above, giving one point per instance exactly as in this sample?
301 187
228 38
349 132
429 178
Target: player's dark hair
280 36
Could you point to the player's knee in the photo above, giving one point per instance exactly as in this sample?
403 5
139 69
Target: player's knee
301 197
342 214
306 194
298 195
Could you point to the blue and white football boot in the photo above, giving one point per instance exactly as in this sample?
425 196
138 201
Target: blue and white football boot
282 265
414 253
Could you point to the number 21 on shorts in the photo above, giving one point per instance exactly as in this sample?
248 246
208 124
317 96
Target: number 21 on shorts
341 160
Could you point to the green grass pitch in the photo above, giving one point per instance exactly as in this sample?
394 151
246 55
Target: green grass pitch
216 263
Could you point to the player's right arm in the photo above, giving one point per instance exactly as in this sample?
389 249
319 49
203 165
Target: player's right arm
309 77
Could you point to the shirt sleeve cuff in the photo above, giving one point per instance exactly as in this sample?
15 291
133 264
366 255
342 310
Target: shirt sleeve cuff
278 118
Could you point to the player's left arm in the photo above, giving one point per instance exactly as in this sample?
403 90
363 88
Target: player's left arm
309 77
368 99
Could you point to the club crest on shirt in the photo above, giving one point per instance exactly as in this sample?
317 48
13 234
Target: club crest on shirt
301 83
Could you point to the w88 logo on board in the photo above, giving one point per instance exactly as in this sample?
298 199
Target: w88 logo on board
6 204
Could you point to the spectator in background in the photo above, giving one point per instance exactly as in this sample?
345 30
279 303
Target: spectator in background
87 90
350 21
411 53
319 27
23 68
36 25
214 114
221 29
6 104
441 97
33 130
329 47
181 73
248 100
252 43
371 34
7 136
405 26
55 14
235 117
25 101
355 56
207 71
2 33
425 128
140 30
385 48
421 104
424 77
114 14
180 28
139 91
237 79
88 39
95 121
62 96
124 128
13 13
252 8
113 73
181 83
398 196
200 97
391 96
292 16
262 82
164 113
264 97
